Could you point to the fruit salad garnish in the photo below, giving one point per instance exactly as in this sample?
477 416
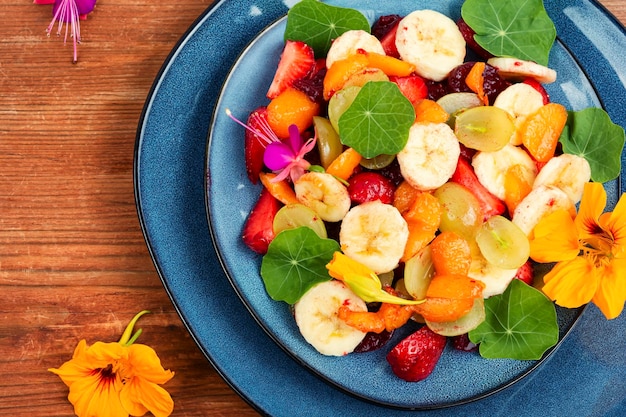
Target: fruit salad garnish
416 172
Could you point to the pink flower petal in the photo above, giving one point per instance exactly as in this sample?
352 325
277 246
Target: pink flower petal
277 155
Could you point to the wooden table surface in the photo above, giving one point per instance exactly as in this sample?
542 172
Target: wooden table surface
73 261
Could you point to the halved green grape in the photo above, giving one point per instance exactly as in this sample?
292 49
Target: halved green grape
503 243
484 128
339 103
461 212
328 142
418 272
296 215
377 162
454 103
467 322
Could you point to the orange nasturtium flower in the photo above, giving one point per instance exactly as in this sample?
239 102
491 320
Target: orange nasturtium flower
116 379
589 251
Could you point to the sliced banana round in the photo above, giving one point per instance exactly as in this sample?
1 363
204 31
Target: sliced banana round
318 321
496 279
324 194
518 69
519 100
540 202
432 42
491 168
430 155
567 172
348 43
375 235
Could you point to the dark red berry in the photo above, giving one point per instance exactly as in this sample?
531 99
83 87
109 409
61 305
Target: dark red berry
384 24
462 342
373 341
370 186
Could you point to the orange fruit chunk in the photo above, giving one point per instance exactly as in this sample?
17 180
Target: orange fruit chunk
451 254
291 107
475 80
389 65
444 309
344 165
404 196
455 286
280 190
541 130
429 111
515 187
423 217
340 71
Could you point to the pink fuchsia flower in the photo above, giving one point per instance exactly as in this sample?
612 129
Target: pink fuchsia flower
288 157
68 13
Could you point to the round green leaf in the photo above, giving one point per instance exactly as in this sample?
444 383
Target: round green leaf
378 120
520 323
295 261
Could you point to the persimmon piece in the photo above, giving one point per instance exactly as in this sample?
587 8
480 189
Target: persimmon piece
475 80
444 309
389 317
340 71
541 130
454 286
515 187
280 190
291 107
344 165
404 196
389 65
429 111
425 209
451 254
419 237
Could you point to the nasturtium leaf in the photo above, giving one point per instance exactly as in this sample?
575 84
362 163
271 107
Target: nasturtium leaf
378 120
520 323
512 28
317 24
295 261
591 134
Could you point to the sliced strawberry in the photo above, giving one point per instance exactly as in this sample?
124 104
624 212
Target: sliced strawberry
253 145
385 29
369 186
416 356
412 86
464 175
525 273
258 230
389 42
537 86
296 61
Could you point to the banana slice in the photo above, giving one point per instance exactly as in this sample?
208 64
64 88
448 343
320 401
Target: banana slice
348 43
496 279
567 172
375 235
540 202
519 100
491 168
432 42
317 319
430 156
324 194
518 69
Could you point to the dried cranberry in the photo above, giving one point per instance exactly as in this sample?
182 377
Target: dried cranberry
369 186
436 89
462 342
456 79
313 86
392 171
493 84
384 24
468 34
373 341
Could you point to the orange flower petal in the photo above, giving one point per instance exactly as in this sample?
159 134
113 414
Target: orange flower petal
591 208
554 238
616 223
144 362
91 396
140 395
611 292
572 283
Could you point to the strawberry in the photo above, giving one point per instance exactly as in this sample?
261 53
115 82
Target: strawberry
253 145
369 186
525 273
385 29
415 357
296 61
489 203
389 42
412 86
258 230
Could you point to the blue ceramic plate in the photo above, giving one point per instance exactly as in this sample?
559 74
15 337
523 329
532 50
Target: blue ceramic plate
170 178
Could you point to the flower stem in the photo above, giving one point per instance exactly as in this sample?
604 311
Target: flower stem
126 338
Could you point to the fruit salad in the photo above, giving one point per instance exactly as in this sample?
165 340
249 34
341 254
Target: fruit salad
404 169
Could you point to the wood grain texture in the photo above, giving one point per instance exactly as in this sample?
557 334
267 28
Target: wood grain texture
73 262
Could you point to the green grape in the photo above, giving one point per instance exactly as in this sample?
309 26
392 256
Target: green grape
464 324
328 143
377 162
296 215
502 243
461 211
418 272
484 128
454 103
339 103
